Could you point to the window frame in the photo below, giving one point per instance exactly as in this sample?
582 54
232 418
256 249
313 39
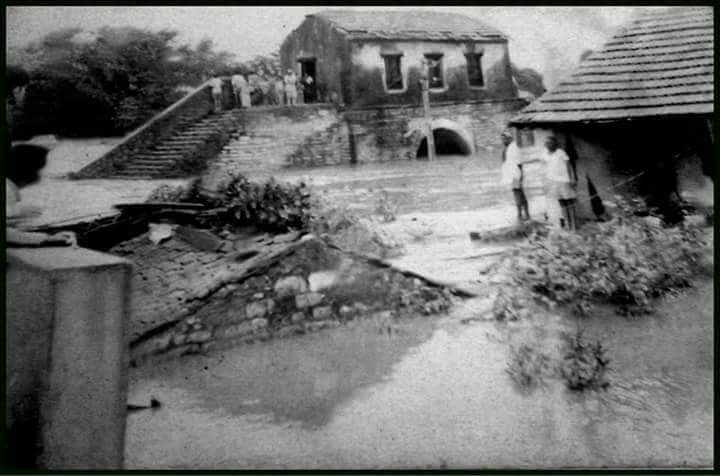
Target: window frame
440 57
403 79
478 56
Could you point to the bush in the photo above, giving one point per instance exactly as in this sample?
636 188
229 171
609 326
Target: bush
626 261
528 366
583 365
271 206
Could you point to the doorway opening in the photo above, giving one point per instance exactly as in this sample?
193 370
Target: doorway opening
447 142
308 79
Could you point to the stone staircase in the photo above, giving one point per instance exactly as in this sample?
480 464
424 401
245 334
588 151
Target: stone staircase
266 142
195 141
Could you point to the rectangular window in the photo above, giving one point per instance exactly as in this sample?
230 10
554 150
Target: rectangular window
393 72
474 69
435 71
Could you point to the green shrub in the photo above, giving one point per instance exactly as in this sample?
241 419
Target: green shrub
626 261
583 365
271 206
528 366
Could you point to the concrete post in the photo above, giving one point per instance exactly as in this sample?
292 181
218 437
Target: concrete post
428 119
67 311
425 83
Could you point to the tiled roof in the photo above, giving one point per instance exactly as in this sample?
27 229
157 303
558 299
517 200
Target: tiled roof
409 25
659 64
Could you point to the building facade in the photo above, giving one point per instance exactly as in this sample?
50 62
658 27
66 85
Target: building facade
372 62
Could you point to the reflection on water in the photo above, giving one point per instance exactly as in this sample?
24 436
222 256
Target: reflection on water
435 393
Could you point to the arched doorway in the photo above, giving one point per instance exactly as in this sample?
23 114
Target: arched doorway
447 142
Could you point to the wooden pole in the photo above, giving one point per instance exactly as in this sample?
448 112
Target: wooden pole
428 118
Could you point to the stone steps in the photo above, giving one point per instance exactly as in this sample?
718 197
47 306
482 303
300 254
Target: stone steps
163 156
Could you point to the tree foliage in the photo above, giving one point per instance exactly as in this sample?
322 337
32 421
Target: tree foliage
529 80
105 82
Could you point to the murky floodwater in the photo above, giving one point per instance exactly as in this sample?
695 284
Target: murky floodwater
433 393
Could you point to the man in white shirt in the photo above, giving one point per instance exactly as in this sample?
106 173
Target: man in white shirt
562 181
512 174
238 83
216 90
291 92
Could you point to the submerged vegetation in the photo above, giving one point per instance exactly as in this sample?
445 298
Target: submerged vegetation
626 261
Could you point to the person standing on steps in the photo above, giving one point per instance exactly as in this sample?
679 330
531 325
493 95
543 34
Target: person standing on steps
279 90
238 82
216 90
562 181
291 87
512 174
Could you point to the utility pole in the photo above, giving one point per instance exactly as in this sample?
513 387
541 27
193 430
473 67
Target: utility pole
425 84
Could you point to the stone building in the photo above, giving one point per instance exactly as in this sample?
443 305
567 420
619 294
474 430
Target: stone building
372 62
367 102
637 115
377 57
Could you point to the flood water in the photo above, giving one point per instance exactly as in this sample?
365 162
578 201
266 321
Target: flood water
433 393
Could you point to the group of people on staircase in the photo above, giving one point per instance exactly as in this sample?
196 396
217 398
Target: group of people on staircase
263 89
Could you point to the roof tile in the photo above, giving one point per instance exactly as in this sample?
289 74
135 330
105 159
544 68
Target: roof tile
659 64
409 25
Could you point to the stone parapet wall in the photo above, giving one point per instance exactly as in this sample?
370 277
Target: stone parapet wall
394 133
181 114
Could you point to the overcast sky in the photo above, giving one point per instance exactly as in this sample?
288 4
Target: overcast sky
549 39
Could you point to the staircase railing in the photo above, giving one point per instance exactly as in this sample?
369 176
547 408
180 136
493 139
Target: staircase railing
191 107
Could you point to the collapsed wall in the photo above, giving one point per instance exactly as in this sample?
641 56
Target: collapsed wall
195 291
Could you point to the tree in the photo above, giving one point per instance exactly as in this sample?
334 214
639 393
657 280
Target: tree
109 81
529 80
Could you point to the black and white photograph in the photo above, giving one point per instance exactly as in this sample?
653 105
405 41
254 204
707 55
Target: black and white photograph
466 237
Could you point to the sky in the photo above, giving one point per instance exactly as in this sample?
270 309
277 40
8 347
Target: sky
548 39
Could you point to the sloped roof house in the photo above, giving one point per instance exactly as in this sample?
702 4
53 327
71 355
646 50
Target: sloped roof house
660 64
637 115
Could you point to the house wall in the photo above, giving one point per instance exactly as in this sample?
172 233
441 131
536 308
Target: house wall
367 75
314 38
637 159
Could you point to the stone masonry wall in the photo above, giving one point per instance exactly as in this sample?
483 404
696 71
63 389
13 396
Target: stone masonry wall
395 133
271 136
